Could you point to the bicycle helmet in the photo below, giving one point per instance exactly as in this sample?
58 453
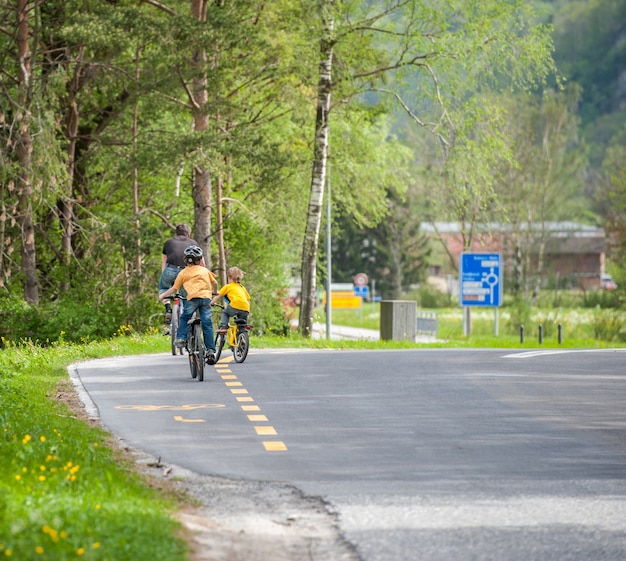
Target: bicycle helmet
192 254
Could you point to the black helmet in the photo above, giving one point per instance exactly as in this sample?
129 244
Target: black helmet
193 253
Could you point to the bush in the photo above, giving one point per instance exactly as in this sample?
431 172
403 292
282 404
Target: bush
609 325
519 315
430 297
70 320
601 299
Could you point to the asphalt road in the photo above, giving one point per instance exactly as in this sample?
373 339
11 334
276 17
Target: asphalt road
424 454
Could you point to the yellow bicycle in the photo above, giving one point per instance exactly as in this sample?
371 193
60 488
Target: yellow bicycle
237 336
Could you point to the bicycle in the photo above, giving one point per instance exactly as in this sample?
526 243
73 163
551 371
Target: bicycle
195 347
177 310
237 336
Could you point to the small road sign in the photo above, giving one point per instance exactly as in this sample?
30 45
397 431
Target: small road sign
361 279
362 291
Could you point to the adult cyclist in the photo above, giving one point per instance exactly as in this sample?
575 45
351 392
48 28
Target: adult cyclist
173 262
199 283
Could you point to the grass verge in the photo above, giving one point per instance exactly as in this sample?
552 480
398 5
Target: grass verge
66 491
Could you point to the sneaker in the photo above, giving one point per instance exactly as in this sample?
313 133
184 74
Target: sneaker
180 343
222 329
210 357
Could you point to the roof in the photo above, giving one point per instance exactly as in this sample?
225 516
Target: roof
552 229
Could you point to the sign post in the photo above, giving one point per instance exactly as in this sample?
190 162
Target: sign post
480 284
361 289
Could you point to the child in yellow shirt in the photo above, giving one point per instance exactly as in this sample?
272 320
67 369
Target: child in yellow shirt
238 299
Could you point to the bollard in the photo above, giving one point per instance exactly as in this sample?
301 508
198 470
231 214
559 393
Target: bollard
560 334
521 334
540 334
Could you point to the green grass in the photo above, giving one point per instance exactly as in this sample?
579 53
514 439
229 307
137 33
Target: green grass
66 492
580 327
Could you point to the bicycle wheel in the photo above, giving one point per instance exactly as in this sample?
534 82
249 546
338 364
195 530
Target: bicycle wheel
199 350
176 309
192 356
240 350
219 345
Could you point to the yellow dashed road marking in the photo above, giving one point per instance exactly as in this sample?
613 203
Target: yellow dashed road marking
237 390
274 446
265 430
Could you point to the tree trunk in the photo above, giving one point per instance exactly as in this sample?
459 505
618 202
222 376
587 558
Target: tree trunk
136 190
202 188
320 154
24 156
219 233
66 204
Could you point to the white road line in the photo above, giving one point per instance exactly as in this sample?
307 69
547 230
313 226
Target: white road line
532 354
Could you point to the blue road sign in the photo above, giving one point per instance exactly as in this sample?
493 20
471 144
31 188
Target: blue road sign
480 279
362 291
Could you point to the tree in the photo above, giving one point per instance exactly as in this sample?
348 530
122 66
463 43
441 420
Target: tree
450 53
544 181
318 176
23 140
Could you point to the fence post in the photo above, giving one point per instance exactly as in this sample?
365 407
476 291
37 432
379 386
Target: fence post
540 334
560 334
521 334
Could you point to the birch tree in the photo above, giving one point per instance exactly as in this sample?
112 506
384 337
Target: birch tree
318 178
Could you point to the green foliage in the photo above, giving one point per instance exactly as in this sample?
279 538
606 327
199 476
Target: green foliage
519 315
602 299
64 493
69 319
609 325
429 297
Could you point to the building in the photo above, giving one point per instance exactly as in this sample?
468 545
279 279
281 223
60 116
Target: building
574 255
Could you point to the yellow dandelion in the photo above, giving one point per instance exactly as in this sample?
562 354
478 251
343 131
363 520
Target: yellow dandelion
39 549
97 507
18 477
8 552
80 551
42 478
42 438
42 468
26 439
96 545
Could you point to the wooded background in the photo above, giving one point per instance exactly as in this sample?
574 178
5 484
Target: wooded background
120 119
